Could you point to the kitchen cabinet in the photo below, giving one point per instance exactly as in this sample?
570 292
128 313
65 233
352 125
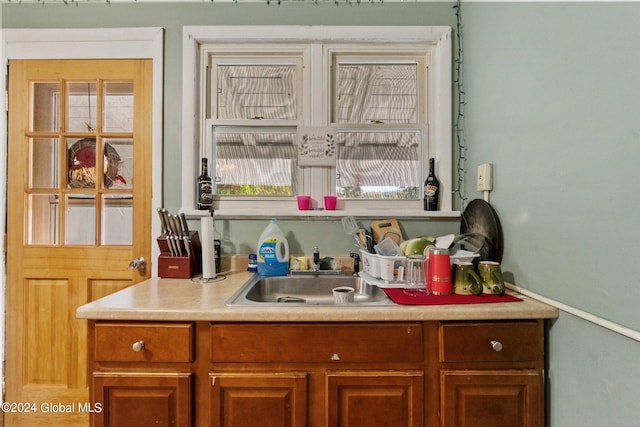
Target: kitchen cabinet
267 399
296 374
491 374
141 373
142 398
370 398
348 374
491 398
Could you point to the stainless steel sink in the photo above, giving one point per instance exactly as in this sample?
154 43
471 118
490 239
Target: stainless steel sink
307 290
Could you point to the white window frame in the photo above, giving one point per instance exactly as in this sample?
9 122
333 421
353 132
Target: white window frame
317 181
290 53
397 53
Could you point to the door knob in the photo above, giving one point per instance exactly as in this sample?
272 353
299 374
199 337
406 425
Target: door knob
138 264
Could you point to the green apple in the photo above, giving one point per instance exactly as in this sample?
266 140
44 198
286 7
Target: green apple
416 245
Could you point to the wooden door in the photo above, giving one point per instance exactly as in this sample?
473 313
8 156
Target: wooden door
79 210
492 398
375 398
143 399
258 399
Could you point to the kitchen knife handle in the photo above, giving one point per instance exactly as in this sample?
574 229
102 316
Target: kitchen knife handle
163 222
177 227
171 246
178 244
183 221
165 216
187 245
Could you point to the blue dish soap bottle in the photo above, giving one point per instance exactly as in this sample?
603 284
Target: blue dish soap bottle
273 251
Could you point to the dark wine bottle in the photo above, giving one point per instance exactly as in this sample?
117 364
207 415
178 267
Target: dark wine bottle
431 188
204 188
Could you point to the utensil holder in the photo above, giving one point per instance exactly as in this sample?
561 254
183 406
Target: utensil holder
179 267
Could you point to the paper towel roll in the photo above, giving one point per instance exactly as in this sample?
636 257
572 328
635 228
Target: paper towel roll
208 248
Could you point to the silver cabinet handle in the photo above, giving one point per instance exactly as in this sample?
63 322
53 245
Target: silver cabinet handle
138 346
335 357
496 345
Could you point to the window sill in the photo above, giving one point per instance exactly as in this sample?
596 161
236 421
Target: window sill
323 214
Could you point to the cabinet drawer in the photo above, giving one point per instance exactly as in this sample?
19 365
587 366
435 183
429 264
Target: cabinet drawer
317 342
492 342
162 342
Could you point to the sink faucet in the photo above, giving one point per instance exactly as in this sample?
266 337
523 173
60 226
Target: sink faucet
356 263
315 265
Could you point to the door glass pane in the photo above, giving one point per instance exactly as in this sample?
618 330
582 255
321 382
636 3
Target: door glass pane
257 91
259 162
117 219
379 165
377 93
118 107
42 219
44 154
45 107
81 106
80 219
118 160
81 163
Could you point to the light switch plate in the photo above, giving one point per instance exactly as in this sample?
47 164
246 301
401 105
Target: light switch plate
485 181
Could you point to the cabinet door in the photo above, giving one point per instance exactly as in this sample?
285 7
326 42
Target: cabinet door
258 399
375 398
492 398
139 399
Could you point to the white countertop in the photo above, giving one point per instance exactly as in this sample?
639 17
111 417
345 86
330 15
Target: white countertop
188 300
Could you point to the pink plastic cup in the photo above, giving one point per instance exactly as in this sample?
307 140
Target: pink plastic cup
330 203
304 203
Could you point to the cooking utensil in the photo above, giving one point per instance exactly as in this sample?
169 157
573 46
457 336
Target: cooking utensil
166 229
386 228
174 234
187 244
186 237
177 240
185 225
369 242
480 218
179 234
351 227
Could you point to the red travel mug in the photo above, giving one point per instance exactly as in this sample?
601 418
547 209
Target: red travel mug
439 272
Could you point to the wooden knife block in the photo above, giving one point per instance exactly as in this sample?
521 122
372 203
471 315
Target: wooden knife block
179 267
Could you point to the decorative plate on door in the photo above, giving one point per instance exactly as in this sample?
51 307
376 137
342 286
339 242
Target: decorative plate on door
82 164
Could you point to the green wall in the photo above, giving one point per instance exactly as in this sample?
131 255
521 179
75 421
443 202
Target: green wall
552 91
552 101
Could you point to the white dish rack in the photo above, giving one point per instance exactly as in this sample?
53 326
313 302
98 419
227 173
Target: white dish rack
382 270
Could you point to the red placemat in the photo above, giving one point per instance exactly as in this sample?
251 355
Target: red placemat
415 297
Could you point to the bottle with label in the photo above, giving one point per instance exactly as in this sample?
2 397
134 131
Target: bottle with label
273 251
431 188
204 188
252 266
